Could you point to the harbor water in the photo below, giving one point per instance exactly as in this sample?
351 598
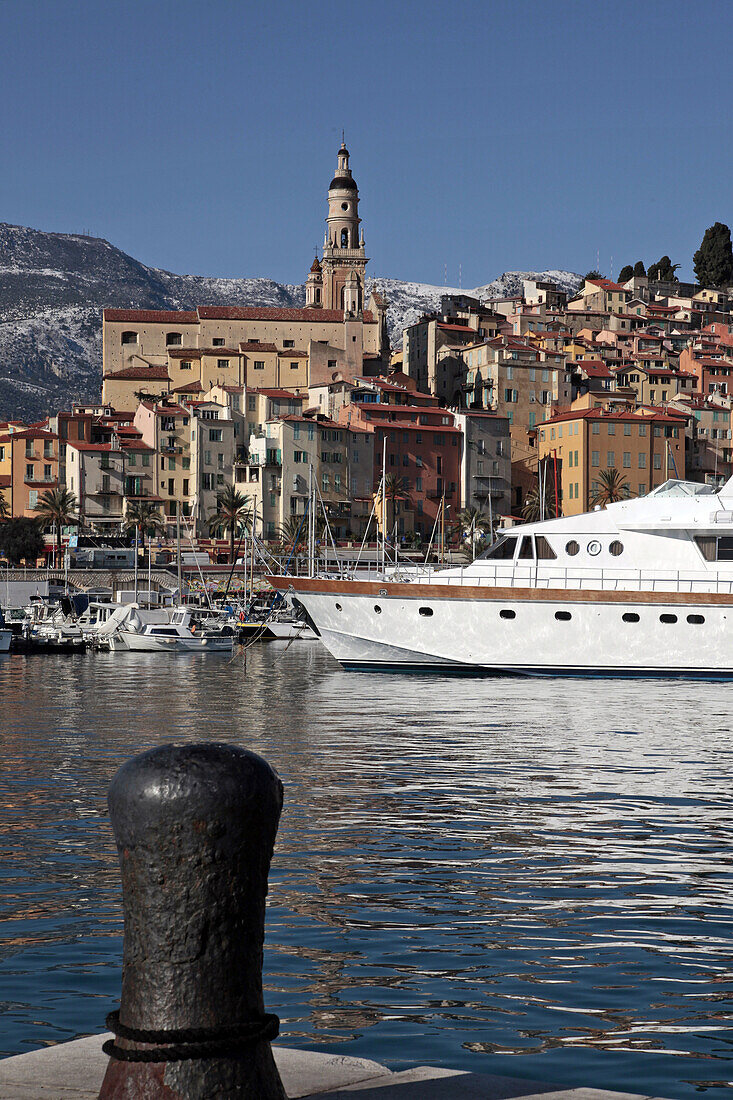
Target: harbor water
525 877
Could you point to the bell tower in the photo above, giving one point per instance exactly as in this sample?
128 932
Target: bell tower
344 256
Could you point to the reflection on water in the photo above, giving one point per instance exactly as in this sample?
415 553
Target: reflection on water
509 876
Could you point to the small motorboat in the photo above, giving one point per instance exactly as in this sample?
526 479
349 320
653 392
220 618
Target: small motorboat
179 635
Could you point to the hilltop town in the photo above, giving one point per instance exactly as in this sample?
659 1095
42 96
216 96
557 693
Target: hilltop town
540 403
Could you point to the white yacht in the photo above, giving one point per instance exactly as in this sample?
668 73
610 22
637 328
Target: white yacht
643 587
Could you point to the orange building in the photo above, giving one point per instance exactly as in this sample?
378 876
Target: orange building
29 464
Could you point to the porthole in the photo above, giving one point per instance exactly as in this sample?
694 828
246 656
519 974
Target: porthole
377 609
339 607
572 548
616 548
593 547
563 616
426 611
630 617
696 620
344 206
668 618
507 614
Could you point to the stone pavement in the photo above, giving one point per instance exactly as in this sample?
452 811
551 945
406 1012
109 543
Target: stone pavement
74 1071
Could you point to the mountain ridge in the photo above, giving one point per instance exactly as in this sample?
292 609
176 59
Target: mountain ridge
53 287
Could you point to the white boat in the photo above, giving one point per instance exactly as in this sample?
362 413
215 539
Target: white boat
643 587
175 636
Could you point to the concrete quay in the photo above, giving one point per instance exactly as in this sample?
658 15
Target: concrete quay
74 1071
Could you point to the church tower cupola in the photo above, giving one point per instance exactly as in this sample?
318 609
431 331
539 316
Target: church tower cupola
343 251
314 286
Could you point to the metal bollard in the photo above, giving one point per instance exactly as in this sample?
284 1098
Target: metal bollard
195 827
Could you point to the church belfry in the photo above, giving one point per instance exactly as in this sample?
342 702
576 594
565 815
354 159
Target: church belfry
344 257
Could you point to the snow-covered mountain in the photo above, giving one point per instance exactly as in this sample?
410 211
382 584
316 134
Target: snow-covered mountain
53 287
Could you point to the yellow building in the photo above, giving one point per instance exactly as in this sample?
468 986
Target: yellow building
645 446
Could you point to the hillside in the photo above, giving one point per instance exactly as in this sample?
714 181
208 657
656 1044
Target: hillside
53 287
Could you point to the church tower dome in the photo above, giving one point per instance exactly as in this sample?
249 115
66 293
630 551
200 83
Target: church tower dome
343 249
314 286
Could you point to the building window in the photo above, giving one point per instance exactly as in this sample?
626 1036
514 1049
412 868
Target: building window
611 458
129 338
173 338
185 364
657 462
294 366
259 364
595 458
222 364
217 342
216 435
29 472
627 460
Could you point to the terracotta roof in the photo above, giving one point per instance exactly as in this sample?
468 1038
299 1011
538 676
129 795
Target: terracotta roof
606 284
280 393
192 387
272 313
29 433
170 410
251 345
600 414
457 328
152 316
131 374
291 353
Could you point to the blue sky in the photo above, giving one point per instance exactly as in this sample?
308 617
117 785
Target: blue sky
492 135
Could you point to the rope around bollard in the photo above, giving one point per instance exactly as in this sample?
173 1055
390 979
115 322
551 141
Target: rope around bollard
189 1042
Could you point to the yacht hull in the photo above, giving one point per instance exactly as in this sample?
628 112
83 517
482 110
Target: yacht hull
388 627
5 639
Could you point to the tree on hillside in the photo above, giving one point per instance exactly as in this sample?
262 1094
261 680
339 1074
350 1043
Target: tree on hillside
21 540
714 258
663 271
612 486
625 274
593 275
639 269
57 507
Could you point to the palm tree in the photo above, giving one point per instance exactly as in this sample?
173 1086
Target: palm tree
232 513
532 509
612 487
4 507
57 507
143 516
394 491
293 532
473 525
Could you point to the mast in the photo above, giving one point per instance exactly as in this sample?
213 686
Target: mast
178 552
384 504
137 529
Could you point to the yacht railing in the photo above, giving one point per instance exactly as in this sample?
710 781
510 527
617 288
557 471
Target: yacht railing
546 575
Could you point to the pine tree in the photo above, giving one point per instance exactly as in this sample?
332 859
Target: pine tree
714 258
639 269
625 274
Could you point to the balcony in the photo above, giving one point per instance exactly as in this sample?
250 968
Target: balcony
175 450
53 480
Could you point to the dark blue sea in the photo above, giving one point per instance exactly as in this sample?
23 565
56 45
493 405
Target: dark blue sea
531 878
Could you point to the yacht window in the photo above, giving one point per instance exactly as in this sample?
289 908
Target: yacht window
507 614
715 549
668 618
504 548
725 549
164 630
525 550
338 607
544 550
630 617
426 611
563 616
377 609
616 548
696 619
572 548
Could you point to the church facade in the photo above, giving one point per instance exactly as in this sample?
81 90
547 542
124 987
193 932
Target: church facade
335 336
